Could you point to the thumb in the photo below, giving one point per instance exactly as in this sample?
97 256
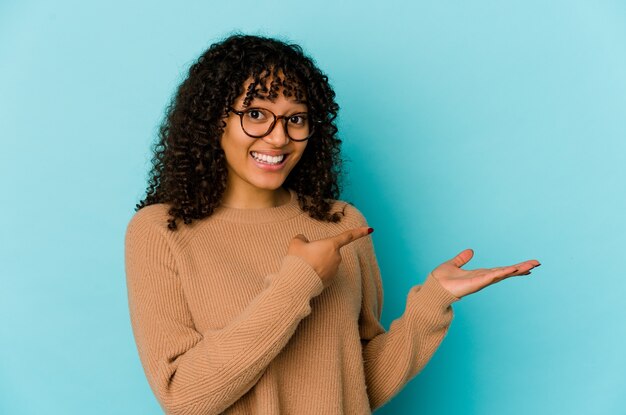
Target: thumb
301 237
462 258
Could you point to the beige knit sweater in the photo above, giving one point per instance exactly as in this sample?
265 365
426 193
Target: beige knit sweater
226 322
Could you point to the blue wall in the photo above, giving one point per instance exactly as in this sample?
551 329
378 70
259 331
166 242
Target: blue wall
497 126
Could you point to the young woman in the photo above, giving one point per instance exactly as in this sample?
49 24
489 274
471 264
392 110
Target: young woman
267 298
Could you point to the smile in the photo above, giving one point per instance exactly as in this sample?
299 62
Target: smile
269 160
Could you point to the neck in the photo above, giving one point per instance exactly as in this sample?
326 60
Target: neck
256 199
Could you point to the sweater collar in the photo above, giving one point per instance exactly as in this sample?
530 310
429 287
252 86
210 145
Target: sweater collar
264 215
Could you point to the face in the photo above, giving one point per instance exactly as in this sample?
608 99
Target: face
247 174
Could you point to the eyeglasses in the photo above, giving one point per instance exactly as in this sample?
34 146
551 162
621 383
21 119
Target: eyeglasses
259 122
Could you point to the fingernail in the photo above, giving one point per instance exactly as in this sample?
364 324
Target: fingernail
370 230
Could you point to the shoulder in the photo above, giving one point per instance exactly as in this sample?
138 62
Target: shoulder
150 222
351 216
154 216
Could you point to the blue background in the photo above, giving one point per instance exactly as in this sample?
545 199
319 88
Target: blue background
497 126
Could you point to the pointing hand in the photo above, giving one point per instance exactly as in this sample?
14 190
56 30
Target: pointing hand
323 255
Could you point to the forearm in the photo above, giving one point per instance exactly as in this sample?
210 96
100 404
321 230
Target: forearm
394 357
205 373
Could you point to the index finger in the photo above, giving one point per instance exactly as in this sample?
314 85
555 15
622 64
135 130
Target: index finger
351 235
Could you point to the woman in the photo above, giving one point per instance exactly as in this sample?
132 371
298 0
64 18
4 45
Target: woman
268 298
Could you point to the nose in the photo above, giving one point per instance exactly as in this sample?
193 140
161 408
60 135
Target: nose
277 136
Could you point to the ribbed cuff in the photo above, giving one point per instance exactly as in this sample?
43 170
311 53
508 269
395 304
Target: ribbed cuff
303 278
445 296
431 303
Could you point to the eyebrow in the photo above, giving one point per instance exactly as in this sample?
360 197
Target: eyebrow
257 101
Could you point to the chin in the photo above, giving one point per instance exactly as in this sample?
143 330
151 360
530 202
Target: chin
268 185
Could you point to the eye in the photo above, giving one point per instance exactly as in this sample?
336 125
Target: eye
256 114
298 119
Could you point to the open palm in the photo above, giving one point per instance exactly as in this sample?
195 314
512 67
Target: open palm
460 282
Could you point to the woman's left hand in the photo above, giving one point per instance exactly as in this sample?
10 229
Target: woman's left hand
460 282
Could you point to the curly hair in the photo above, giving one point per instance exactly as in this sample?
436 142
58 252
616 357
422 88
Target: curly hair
189 168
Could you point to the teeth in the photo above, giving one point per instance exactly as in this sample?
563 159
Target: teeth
268 159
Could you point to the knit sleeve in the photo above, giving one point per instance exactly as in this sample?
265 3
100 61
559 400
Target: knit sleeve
192 372
392 358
